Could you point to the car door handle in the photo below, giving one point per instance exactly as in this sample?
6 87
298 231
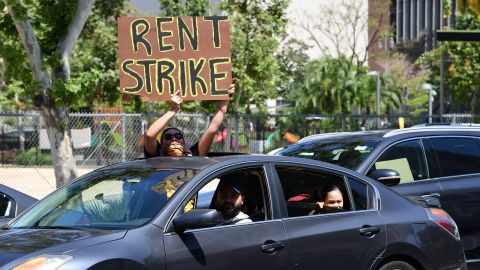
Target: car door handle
271 247
434 195
368 230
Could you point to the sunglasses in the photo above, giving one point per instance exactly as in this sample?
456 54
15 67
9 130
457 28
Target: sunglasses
170 136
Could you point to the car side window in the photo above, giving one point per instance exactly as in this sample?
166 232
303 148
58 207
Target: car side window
362 194
457 156
6 206
407 158
310 192
250 183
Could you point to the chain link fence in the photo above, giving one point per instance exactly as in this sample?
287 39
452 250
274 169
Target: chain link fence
102 139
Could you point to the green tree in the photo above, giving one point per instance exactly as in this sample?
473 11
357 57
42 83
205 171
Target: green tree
184 8
335 86
256 28
293 60
43 63
410 77
462 70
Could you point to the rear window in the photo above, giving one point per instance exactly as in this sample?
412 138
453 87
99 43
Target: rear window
346 152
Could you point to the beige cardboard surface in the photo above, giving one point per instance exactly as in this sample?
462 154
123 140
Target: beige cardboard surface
159 55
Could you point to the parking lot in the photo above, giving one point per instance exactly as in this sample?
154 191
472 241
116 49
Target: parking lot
34 181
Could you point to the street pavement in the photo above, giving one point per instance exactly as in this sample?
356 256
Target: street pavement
34 181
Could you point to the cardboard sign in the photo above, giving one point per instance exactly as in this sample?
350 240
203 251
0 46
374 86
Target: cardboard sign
159 55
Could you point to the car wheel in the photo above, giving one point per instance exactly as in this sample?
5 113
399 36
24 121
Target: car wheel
397 265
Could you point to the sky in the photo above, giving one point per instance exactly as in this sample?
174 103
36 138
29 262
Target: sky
298 12
146 7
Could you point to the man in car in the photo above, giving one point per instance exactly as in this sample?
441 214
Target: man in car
230 199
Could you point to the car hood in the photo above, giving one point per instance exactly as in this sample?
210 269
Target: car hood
20 242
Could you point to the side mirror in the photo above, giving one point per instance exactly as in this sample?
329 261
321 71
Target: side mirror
387 177
197 218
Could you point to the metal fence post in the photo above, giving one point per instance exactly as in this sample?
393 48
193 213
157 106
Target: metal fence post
123 138
3 134
38 128
197 132
236 133
227 141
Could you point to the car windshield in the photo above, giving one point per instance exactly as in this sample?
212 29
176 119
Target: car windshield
110 200
345 152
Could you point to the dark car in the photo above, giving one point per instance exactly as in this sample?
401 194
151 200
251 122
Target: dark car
434 160
12 203
11 140
160 214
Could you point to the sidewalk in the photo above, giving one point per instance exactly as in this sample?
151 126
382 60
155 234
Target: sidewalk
34 181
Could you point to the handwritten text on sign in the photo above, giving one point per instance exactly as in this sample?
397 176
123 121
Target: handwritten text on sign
159 55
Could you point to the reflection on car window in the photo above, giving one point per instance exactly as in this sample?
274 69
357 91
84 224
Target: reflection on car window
119 200
362 194
347 153
457 156
306 189
5 206
407 159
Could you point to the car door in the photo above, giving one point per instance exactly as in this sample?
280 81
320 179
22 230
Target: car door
260 244
409 160
458 161
350 239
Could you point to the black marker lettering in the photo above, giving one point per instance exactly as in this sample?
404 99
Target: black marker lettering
194 78
138 37
215 76
216 28
163 34
165 75
183 29
146 67
182 77
134 75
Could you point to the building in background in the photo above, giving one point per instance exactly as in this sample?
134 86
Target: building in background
409 26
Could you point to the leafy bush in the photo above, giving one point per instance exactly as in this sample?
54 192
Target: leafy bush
31 157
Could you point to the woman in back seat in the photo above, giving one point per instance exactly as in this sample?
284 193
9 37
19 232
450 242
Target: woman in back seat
331 199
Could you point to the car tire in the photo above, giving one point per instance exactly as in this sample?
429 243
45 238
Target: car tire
397 265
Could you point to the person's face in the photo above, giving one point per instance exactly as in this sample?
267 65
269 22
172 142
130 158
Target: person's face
230 201
333 201
173 143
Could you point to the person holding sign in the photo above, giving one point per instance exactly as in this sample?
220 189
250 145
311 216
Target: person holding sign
172 141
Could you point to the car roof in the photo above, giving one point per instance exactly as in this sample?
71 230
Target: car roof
342 135
423 128
200 163
195 163
436 128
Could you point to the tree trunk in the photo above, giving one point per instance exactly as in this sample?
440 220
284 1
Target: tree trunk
61 144
475 101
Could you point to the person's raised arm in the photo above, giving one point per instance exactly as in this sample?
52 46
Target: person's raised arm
151 143
207 138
